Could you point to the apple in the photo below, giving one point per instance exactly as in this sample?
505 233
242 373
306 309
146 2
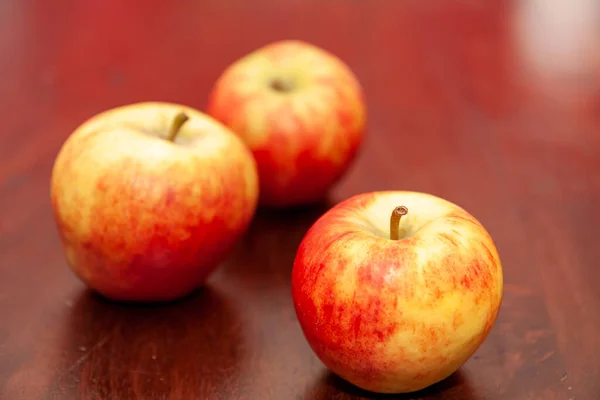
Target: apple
395 290
301 111
149 198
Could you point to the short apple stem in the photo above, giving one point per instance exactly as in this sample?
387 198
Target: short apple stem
178 121
282 85
395 221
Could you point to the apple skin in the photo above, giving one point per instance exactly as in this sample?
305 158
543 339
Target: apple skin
396 316
305 139
144 219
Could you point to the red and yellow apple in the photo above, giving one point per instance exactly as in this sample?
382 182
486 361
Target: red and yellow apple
149 198
301 111
396 290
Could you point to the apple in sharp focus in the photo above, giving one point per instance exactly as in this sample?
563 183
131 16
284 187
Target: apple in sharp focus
301 111
395 290
149 198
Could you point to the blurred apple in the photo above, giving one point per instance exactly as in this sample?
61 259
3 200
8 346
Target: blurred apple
301 111
149 198
394 291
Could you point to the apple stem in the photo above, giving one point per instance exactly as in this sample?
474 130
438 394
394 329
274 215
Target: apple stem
178 121
395 221
281 85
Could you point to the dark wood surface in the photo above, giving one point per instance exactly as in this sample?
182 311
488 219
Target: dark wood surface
493 105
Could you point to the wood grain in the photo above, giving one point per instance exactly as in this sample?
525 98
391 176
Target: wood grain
493 105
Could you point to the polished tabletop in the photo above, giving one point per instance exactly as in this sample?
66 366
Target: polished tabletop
492 105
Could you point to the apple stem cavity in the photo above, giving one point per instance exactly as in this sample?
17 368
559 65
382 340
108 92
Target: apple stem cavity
282 85
178 121
395 221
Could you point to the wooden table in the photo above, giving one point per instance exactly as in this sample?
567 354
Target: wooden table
493 105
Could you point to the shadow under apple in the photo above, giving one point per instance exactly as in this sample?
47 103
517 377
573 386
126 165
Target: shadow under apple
456 386
266 253
192 348
291 212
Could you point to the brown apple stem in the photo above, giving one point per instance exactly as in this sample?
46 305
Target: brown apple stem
178 121
395 221
282 85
